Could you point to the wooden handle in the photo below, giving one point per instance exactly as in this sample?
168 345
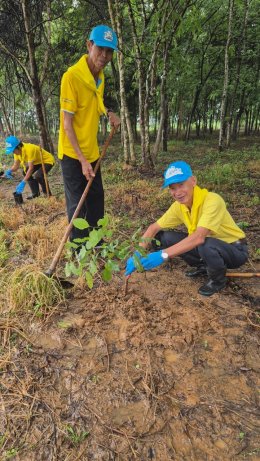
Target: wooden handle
243 274
64 239
44 174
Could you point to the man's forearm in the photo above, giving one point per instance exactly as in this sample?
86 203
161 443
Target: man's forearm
188 243
149 234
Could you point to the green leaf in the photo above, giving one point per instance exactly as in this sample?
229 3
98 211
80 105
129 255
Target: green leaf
80 223
71 245
67 269
75 270
103 221
93 240
89 280
92 267
106 274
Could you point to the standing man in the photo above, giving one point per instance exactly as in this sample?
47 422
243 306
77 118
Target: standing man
32 159
81 101
213 242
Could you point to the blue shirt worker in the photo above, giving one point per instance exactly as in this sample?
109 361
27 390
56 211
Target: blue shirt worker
213 242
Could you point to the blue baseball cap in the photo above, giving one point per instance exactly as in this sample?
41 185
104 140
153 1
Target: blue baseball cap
176 172
11 143
104 36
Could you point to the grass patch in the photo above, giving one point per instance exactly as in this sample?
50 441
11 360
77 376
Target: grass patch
31 289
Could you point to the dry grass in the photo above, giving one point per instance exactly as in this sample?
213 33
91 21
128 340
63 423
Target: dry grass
12 218
29 288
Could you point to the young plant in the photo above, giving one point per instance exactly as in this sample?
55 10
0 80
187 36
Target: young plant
99 254
75 437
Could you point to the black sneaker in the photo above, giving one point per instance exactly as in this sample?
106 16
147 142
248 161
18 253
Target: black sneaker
196 272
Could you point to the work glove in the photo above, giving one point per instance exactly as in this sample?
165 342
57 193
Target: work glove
130 263
152 260
20 188
8 174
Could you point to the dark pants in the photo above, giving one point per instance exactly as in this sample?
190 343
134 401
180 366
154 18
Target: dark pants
74 185
38 178
213 253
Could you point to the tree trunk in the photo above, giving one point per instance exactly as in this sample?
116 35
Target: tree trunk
116 16
163 102
226 79
45 139
241 52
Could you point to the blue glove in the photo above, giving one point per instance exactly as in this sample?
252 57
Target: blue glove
8 174
20 188
152 260
130 263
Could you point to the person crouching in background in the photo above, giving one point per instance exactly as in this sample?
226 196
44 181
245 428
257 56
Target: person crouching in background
31 158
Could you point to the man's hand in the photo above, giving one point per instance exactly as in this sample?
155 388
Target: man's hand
146 262
152 260
132 263
87 169
20 188
8 174
114 120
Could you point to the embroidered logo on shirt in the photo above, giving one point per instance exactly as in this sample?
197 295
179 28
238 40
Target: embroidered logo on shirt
108 36
173 171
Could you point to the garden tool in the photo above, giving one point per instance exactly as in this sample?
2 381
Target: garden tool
44 174
67 232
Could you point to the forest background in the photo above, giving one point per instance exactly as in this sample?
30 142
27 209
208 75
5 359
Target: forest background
185 68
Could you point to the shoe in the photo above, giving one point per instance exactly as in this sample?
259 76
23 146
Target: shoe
211 287
199 270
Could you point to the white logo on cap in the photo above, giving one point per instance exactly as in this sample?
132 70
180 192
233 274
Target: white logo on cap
108 36
8 144
173 171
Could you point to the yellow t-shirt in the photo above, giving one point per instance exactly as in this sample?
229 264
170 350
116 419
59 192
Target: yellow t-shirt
31 153
82 96
210 213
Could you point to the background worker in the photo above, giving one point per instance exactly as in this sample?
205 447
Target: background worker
81 103
213 242
30 158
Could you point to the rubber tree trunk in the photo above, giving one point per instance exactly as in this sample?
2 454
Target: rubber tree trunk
45 139
226 79
127 130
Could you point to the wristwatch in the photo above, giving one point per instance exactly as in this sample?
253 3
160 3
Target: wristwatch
164 256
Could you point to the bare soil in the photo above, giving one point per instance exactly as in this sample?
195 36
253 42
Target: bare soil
151 371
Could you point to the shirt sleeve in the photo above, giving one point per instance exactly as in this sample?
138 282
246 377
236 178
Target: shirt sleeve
68 95
213 212
172 217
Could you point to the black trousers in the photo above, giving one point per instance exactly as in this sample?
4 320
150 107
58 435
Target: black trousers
37 178
213 253
74 185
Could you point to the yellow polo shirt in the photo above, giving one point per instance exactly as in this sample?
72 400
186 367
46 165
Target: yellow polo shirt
81 96
32 153
208 211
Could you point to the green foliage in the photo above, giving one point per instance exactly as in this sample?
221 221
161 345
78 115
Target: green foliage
76 437
99 255
243 224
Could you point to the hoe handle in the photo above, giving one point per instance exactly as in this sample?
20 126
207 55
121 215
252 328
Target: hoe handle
243 274
64 239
